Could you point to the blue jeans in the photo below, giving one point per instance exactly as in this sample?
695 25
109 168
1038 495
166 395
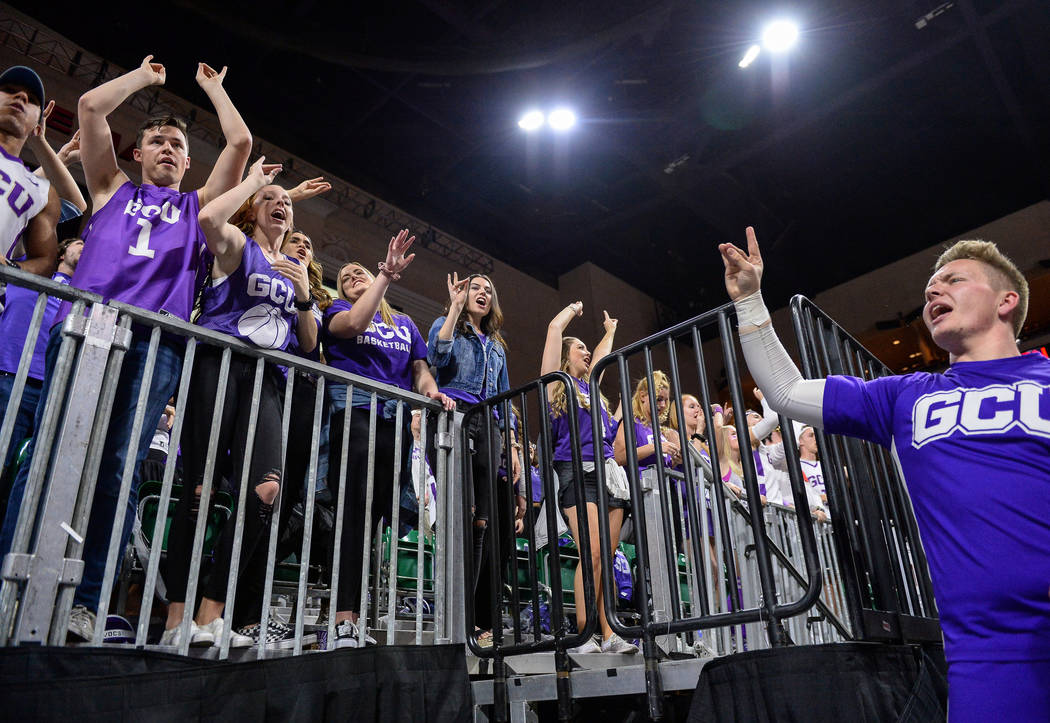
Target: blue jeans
24 417
107 489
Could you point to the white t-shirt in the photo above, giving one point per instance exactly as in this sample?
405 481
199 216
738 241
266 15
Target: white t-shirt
23 197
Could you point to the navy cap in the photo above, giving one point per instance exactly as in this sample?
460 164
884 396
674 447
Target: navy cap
26 78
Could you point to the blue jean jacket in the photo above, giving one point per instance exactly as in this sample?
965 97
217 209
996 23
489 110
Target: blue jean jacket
463 362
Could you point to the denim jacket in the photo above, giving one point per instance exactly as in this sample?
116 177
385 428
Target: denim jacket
461 361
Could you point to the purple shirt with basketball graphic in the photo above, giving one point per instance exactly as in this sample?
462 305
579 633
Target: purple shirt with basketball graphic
560 429
381 352
255 303
144 247
14 326
974 446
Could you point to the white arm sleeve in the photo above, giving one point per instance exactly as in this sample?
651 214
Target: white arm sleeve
769 421
774 372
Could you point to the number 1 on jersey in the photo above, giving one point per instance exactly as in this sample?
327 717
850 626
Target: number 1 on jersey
141 247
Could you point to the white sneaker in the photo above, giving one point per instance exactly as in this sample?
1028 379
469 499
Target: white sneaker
588 647
616 644
214 628
198 636
346 635
81 625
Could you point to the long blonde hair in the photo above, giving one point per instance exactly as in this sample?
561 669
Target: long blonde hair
641 392
725 452
558 400
385 311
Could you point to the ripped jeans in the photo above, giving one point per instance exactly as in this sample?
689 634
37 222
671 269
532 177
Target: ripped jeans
264 466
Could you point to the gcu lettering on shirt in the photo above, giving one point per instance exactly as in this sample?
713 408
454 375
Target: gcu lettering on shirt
988 410
277 290
166 213
23 197
383 335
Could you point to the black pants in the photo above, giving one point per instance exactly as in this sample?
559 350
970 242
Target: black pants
351 545
264 465
497 511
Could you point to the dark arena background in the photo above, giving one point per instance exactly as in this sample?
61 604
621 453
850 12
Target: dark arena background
580 163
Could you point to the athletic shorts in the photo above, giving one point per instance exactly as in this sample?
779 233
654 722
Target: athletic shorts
567 489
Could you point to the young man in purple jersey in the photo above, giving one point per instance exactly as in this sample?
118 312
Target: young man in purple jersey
144 246
973 445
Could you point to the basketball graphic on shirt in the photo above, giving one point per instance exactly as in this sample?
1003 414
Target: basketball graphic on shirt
263 325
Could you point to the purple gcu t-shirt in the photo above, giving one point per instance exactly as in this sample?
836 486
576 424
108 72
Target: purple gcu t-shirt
382 353
974 446
144 247
560 428
255 303
14 325
643 435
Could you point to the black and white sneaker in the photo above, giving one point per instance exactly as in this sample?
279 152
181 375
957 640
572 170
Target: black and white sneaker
278 635
346 635
81 625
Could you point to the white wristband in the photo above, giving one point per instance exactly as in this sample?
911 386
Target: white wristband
751 312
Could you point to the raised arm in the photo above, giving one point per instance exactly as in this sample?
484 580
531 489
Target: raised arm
54 166
606 344
347 324
97 155
309 188
551 359
226 173
768 361
225 241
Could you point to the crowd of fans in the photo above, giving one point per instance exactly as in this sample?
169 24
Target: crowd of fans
229 258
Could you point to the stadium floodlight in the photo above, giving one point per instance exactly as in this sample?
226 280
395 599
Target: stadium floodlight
779 35
532 120
561 119
749 56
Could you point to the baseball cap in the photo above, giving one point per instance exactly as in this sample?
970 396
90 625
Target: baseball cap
26 78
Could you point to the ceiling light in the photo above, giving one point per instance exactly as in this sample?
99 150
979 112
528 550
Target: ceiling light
750 55
561 119
779 35
531 120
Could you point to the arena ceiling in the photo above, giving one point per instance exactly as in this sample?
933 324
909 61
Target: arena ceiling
872 139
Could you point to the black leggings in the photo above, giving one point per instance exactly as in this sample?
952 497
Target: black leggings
351 549
232 434
497 513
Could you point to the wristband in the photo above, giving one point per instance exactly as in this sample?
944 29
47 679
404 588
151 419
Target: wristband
385 270
751 313
305 305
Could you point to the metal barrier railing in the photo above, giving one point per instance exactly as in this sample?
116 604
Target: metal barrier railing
43 568
753 599
501 565
888 594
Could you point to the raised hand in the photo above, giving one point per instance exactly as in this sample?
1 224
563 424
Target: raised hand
758 394
41 127
743 271
262 173
153 73
457 292
577 308
309 188
69 153
207 78
396 261
609 323
297 274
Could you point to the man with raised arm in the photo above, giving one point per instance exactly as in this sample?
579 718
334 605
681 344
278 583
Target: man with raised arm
973 445
143 246
29 205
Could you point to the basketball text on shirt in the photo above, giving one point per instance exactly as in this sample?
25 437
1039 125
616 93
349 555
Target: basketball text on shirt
987 410
385 333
